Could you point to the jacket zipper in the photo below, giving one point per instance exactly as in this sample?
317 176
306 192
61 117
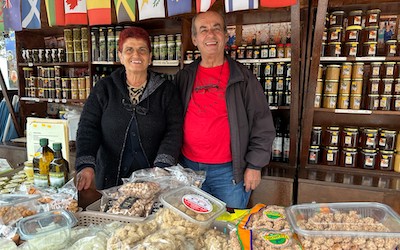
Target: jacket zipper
123 149
140 141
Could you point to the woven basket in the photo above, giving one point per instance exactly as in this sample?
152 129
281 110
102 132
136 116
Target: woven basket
90 217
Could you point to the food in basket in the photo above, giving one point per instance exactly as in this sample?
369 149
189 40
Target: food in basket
128 205
128 235
143 190
10 214
214 239
270 218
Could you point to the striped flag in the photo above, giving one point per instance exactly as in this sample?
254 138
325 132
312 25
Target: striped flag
176 7
1 16
236 5
12 15
75 12
99 11
125 10
31 14
151 9
55 12
204 5
277 4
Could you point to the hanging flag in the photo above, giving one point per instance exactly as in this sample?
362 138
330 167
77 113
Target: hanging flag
277 4
30 14
1 17
151 9
204 5
236 5
99 12
125 10
12 15
55 12
176 7
75 12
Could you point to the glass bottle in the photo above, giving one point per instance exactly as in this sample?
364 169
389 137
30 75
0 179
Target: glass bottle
41 163
58 172
286 144
277 145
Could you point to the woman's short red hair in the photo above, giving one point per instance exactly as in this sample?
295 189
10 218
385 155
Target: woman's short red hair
133 32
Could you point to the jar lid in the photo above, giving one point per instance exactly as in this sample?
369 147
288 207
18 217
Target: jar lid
264 46
354 27
353 43
344 95
374 11
371 130
257 47
331 80
355 95
369 150
387 152
272 45
350 129
333 128
376 63
391 41
338 12
350 149
355 12
390 63
387 96
189 51
332 148
320 80
197 51
370 43
388 79
371 27
317 127
336 28
359 63
357 80
249 47
375 79
333 66
373 95
334 43
316 147
345 79
389 131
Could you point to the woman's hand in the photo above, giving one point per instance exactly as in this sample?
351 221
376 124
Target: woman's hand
84 178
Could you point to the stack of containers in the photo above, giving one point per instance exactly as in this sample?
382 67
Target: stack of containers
69 46
166 47
77 37
85 44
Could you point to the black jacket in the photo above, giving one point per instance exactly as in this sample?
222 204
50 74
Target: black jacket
251 125
106 120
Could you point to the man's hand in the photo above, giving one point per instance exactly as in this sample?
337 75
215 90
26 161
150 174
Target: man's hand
84 178
252 179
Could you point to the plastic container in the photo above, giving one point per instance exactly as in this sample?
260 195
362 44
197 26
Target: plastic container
298 215
202 208
56 222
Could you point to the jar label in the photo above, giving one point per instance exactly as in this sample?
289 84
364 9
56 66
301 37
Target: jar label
268 84
372 49
397 88
328 87
317 101
357 20
337 50
389 70
353 34
397 104
357 103
197 203
346 71
392 49
384 163
288 99
264 53
375 71
383 102
324 36
270 99
349 160
382 141
370 141
329 157
334 35
375 87
332 20
332 103
334 139
312 157
388 88
344 85
369 161
376 103
353 51
272 52
372 35
279 69
360 70
267 70
373 18
281 53
347 140
279 84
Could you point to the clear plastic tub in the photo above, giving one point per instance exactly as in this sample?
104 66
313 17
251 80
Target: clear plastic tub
358 225
193 204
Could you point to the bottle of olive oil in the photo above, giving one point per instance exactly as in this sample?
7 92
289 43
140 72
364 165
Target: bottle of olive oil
41 163
58 168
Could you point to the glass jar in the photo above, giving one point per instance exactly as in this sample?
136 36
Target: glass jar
329 101
356 86
372 17
355 102
387 140
323 49
269 83
396 103
376 69
279 84
336 18
280 69
385 102
319 87
385 160
241 52
396 166
391 48
163 47
171 49
344 86
196 54
396 87
233 52
350 49
374 86
264 51
178 46
369 138
335 34
316 136
269 70
368 158
369 48
331 87
330 156
334 49
373 102
272 51
370 34
189 55
349 137
388 69
345 73
332 72
249 52
280 51
256 52
348 157
314 155
353 33
331 136
355 17
358 70
387 86
288 50
343 101
317 101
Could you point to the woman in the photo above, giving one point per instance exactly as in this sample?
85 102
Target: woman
131 120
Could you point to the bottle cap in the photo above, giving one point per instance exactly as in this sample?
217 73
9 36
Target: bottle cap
43 142
57 146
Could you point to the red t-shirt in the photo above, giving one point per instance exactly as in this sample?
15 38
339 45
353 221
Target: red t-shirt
206 133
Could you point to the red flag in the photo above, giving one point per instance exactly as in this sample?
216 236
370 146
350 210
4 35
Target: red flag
99 12
204 5
75 12
55 12
277 4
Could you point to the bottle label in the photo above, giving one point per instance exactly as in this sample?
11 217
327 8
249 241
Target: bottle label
197 203
277 147
40 180
56 179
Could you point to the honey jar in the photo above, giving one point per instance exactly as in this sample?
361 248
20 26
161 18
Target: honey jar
330 156
331 136
356 86
353 33
369 48
376 69
331 87
335 34
318 90
316 136
355 17
332 72
336 18
396 103
369 138
280 51
323 49
396 87
372 17
398 143
355 102
272 51
350 49
334 49
387 140
348 158
343 101
314 155
344 86
388 69
385 102
373 102
346 70
391 48
320 71
329 101
368 158
317 101
385 160
396 166
349 137
374 86
358 70
370 34
387 86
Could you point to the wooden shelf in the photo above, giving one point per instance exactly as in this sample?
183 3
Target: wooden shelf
357 112
105 63
267 60
67 64
361 59
54 100
279 108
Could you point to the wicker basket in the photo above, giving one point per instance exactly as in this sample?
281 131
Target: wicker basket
90 217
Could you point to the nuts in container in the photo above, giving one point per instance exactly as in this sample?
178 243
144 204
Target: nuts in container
270 217
349 225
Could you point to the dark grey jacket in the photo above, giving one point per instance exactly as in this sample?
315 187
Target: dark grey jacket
106 120
252 129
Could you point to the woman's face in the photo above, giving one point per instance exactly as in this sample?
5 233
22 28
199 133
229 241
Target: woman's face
135 55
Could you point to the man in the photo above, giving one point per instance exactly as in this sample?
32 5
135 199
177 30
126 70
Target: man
228 127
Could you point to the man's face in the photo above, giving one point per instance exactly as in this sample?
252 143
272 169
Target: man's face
211 37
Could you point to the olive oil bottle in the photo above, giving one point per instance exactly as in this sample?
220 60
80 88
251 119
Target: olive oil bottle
41 163
59 168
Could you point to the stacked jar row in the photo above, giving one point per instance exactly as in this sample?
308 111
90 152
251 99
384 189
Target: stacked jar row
76 44
367 148
43 55
167 47
260 52
343 86
105 43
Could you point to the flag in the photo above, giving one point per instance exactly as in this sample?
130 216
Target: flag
12 15
55 12
277 4
125 10
151 9
235 5
75 12
176 7
204 5
1 17
99 12
31 14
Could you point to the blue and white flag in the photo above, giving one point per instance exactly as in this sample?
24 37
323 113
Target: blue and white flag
236 5
176 7
31 14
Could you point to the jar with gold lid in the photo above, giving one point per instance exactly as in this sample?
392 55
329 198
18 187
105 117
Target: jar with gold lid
368 158
369 138
355 17
272 51
349 137
355 102
331 136
256 52
391 48
329 101
356 86
353 33
376 69
249 52
348 157
350 49
388 69
372 17
314 155
373 102
264 51
374 86
387 140
335 34
343 101
336 18
331 87
385 160
385 102
358 70
346 70
370 34
344 86
334 49
387 86
280 51
288 50
369 48
330 156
